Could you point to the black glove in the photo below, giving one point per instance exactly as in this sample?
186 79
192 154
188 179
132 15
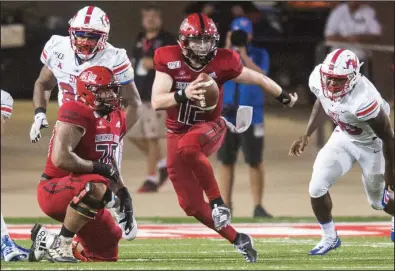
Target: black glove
126 207
106 170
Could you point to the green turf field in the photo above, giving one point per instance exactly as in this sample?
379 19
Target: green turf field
356 253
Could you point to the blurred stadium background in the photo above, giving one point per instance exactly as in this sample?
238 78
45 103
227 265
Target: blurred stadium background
292 32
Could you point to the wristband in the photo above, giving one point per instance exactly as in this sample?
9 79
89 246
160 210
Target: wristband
180 96
284 98
40 110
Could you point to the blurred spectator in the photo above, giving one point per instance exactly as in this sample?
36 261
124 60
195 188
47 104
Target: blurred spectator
252 140
353 22
146 133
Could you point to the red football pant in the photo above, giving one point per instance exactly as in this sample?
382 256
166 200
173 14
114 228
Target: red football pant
100 236
191 173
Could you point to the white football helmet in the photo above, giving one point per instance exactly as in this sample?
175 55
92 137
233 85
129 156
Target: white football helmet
339 73
89 30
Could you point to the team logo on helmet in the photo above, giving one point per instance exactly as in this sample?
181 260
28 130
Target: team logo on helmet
351 62
88 76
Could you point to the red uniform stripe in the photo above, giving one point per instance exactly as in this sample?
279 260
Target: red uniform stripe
6 109
334 58
88 15
44 55
368 110
117 70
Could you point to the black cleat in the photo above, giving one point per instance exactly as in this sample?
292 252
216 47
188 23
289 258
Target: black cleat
245 246
260 212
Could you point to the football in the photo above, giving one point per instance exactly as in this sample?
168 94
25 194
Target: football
211 96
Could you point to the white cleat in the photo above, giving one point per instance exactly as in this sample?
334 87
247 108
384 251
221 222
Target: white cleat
10 252
42 240
325 245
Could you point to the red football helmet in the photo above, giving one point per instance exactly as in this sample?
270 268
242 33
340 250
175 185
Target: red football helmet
198 38
97 87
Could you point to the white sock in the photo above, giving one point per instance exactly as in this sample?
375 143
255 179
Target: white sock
3 227
153 178
328 229
161 163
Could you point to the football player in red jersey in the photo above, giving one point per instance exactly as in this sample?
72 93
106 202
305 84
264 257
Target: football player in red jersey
194 134
81 174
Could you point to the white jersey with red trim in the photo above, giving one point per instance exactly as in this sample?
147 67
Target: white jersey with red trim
354 109
61 59
6 104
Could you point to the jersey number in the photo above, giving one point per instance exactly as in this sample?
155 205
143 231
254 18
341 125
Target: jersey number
351 129
108 152
67 91
189 114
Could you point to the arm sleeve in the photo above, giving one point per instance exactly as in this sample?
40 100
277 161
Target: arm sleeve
6 104
47 51
123 69
368 109
75 114
158 64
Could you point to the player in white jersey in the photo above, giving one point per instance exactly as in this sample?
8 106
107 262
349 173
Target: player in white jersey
363 134
65 57
10 251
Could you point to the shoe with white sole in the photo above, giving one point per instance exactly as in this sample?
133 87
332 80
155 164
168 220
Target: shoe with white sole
42 240
10 252
325 245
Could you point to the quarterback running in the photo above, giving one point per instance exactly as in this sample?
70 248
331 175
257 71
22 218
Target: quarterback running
363 134
194 133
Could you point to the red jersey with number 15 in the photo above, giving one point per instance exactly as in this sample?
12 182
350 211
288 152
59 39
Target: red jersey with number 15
100 139
226 65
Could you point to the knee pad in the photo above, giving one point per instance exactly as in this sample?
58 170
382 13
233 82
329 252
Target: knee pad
92 205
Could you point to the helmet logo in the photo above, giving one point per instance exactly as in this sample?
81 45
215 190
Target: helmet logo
104 20
88 76
351 62
185 25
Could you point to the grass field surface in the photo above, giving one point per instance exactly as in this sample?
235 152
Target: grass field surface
285 253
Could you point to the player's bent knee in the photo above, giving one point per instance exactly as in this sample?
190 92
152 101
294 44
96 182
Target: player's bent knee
189 153
91 199
188 207
317 190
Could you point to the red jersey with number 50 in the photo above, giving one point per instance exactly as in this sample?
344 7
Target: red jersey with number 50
101 134
225 66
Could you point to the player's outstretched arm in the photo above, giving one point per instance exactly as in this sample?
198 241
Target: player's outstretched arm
251 77
317 118
162 98
132 98
66 138
43 86
381 125
46 81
